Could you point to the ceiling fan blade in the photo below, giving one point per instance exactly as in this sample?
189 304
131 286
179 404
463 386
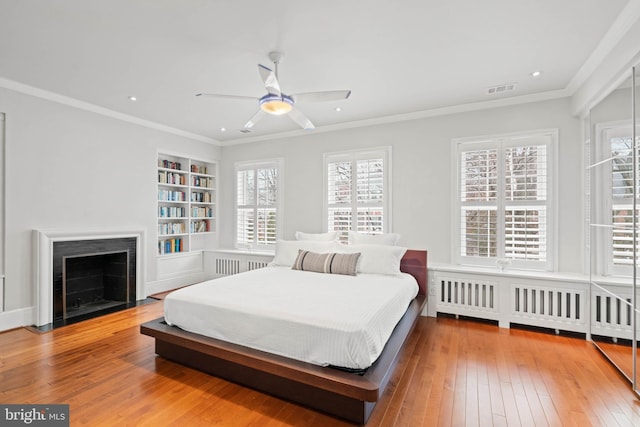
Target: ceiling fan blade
218 95
253 120
302 120
329 95
270 80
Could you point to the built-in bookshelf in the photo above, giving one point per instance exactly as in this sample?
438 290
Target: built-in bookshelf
186 203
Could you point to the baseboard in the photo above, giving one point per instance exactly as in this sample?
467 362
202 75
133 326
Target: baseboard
17 318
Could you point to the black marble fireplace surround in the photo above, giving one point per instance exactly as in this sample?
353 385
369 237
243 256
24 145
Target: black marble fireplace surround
98 276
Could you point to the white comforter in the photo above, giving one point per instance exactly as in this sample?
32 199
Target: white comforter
324 319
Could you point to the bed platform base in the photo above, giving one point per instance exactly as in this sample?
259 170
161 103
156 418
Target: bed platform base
341 394
338 393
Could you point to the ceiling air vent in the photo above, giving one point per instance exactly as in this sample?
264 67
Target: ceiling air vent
245 131
501 88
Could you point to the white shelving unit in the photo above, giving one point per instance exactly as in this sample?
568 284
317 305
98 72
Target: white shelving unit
186 204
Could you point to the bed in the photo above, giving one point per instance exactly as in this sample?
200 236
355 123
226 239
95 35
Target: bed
307 377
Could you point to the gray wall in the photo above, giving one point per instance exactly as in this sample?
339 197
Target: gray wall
72 169
421 174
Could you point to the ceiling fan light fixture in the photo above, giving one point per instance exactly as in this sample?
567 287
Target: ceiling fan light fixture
276 105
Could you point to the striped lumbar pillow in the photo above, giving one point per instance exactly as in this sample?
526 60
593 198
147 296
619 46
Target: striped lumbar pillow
327 263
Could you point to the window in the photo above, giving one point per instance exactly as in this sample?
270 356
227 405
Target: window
614 186
357 196
504 200
257 199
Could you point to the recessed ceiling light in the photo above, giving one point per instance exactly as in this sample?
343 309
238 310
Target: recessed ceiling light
223 129
338 109
536 73
133 98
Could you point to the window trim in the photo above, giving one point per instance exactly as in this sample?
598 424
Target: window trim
278 163
360 154
502 141
603 206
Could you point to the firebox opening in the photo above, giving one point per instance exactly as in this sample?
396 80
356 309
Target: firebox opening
93 284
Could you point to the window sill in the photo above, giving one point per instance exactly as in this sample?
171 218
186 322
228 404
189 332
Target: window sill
612 280
255 252
509 272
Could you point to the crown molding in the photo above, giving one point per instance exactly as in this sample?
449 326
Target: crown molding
417 115
623 23
82 105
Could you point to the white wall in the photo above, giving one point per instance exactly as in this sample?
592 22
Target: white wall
421 180
2 227
68 168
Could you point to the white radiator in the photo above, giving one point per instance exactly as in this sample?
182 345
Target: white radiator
550 307
547 303
254 265
467 297
227 267
611 313
226 263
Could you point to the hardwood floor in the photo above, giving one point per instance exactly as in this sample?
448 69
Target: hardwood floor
620 355
451 373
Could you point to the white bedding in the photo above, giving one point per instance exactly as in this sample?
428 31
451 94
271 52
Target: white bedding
324 319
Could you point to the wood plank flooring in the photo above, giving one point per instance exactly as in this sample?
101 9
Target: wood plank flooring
451 373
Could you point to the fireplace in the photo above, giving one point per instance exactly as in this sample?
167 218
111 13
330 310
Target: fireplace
85 275
92 277
92 284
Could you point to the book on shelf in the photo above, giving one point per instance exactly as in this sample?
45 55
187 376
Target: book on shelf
171 196
169 228
201 226
168 164
170 246
201 197
199 169
172 212
201 212
200 181
173 178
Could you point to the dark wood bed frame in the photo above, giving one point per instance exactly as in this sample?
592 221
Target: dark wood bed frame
342 394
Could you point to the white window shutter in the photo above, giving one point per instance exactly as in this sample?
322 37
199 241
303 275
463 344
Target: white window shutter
257 204
356 184
503 200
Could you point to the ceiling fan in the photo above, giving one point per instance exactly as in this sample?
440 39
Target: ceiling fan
277 103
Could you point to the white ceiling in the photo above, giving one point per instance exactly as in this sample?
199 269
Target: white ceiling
397 57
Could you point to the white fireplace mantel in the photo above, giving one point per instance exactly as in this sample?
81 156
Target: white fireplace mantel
43 244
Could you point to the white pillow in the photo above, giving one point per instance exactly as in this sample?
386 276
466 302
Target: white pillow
376 259
389 239
287 250
331 235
